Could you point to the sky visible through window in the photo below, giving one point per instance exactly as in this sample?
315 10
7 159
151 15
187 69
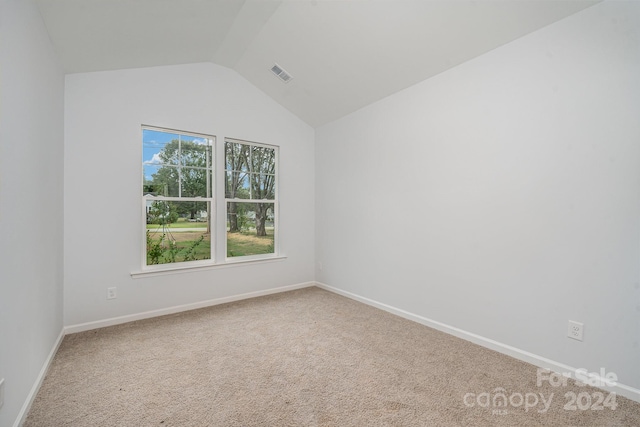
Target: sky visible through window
153 142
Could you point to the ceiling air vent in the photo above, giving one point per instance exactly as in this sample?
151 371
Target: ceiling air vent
282 74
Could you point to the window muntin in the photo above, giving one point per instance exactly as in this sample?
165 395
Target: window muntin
177 165
251 196
177 194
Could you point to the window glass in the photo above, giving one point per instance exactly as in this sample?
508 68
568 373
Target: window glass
250 229
177 195
250 191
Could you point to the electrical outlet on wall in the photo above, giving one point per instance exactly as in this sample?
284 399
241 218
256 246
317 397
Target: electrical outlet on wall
112 293
576 330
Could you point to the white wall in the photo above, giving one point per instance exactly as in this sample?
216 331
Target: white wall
31 190
103 114
501 197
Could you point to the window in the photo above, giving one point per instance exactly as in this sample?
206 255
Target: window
179 203
177 194
251 198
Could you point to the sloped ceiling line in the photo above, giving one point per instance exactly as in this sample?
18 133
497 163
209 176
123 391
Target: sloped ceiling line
344 54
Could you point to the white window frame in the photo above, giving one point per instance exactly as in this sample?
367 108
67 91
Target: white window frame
217 223
275 201
211 199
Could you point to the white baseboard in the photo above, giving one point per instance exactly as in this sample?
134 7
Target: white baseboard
542 362
22 415
179 308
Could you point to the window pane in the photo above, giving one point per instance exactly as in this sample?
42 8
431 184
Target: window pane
236 156
177 232
195 182
263 160
148 186
263 186
159 147
163 181
250 229
195 152
237 185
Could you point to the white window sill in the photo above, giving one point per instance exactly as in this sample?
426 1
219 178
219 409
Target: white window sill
175 269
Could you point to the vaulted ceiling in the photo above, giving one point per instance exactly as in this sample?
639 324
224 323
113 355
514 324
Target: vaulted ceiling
342 55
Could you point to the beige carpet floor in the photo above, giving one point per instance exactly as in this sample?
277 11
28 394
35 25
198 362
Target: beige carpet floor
301 358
